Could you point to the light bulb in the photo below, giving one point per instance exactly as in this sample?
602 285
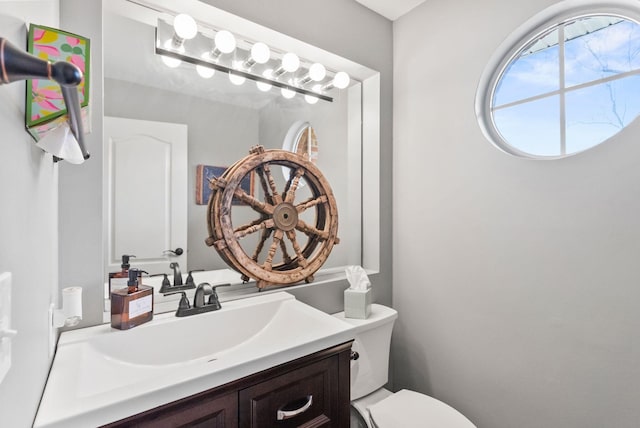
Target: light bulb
171 62
225 41
310 98
236 80
265 87
290 62
317 72
205 72
287 93
260 53
341 80
185 26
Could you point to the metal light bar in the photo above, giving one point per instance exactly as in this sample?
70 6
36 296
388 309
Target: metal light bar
201 43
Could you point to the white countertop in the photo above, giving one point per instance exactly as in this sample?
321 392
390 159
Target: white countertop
91 384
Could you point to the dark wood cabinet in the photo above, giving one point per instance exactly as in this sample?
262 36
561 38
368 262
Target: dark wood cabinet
312 391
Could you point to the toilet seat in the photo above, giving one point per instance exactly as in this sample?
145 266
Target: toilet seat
409 409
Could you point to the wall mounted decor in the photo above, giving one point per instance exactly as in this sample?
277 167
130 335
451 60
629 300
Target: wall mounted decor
16 65
44 97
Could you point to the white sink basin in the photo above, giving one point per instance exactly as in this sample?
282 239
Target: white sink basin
100 374
172 340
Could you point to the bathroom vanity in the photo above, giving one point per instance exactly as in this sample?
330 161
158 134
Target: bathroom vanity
253 361
310 391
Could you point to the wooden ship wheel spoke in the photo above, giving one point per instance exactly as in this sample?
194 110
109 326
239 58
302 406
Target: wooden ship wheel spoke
290 240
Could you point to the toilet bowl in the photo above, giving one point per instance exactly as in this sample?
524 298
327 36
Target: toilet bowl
372 405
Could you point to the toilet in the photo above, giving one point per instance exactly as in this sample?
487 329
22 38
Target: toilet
376 407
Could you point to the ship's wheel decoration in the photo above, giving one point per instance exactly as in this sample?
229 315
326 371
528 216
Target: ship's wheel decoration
284 233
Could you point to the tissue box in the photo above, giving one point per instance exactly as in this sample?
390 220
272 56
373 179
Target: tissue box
357 303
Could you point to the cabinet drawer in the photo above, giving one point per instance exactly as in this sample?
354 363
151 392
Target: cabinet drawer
306 397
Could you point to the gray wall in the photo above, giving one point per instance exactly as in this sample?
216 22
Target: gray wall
28 235
80 227
516 280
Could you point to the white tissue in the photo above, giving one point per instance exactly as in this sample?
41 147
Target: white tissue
61 142
357 277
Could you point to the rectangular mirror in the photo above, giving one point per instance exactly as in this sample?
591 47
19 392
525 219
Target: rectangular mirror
222 122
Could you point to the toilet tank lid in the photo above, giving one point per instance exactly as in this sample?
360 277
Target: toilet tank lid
380 314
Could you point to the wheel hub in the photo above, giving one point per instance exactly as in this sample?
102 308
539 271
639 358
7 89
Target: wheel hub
285 216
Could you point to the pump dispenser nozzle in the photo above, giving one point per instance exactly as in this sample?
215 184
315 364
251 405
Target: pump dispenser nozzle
125 261
133 283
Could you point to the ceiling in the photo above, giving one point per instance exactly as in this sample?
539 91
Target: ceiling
391 9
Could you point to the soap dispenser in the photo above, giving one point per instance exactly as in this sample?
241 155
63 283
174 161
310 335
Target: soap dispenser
118 280
133 305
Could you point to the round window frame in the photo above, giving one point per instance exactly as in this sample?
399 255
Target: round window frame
541 23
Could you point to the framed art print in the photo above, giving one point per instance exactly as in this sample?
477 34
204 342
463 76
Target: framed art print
44 97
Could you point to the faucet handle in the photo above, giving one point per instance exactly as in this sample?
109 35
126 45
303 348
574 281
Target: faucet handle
183 305
166 284
213 297
190 280
165 281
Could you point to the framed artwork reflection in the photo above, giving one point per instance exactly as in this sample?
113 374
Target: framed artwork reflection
204 173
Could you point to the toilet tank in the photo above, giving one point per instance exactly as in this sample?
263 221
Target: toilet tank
372 343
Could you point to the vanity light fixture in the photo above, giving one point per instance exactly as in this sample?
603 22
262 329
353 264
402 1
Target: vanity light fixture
317 73
170 61
255 62
312 99
340 80
289 64
260 54
287 93
184 28
236 79
225 43
265 87
205 72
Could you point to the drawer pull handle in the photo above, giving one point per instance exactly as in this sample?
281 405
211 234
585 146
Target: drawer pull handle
283 414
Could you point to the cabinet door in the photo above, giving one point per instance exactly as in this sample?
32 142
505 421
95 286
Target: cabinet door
306 397
203 412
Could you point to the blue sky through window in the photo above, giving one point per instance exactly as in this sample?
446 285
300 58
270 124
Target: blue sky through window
599 93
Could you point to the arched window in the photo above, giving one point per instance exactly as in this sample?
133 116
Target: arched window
564 84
